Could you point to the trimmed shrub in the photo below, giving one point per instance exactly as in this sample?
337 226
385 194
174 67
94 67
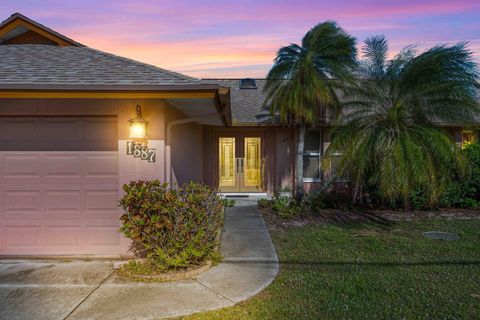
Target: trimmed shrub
172 228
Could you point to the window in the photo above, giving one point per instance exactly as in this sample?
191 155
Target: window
468 137
311 157
248 83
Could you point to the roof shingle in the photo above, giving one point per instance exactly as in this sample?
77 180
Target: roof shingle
248 105
52 65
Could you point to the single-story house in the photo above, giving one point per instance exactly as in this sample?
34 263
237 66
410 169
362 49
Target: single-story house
77 123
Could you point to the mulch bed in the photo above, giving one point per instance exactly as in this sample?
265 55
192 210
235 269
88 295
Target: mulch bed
386 217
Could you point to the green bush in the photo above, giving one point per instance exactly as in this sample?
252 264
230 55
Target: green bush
463 190
173 228
263 203
286 207
228 203
323 199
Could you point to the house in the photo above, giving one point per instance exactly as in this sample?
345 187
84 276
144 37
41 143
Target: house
77 123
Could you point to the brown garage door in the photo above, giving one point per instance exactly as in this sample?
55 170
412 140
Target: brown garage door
59 186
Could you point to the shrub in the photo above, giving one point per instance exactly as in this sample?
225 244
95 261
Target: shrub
228 203
172 228
285 206
464 189
263 203
326 199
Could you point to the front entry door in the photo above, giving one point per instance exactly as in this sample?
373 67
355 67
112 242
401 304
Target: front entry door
240 163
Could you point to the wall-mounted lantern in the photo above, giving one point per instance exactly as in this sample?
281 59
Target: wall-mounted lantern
138 126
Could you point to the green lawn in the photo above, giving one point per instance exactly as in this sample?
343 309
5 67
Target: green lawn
370 272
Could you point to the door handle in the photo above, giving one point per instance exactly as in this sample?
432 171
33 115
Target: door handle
237 165
241 165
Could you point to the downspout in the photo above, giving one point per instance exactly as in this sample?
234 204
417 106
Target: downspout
168 135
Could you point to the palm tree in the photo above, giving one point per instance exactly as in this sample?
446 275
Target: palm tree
300 85
389 128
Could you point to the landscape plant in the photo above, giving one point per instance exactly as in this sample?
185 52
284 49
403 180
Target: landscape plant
172 228
463 190
302 83
388 132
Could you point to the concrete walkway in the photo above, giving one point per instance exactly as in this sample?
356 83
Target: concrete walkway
90 290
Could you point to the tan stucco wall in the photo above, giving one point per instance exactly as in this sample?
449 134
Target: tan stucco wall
187 153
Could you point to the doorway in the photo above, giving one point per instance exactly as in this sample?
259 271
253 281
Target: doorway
240 163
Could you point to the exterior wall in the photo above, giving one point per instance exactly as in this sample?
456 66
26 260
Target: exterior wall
285 157
187 153
277 154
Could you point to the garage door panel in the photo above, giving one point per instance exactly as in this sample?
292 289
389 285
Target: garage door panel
101 131
63 236
59 186
22 202
15 130
63 202
65 165
98 201
101 165
62 132
103 235
26 236
21 165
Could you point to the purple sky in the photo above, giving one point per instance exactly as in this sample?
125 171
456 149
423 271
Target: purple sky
240 38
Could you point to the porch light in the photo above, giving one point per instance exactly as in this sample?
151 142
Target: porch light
138 126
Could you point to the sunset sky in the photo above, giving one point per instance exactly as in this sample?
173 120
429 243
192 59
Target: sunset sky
240 38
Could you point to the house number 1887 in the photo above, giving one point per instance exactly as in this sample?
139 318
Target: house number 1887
139 151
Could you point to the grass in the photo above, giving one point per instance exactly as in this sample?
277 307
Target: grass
370 272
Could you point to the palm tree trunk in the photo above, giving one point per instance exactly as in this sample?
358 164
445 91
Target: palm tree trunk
299 162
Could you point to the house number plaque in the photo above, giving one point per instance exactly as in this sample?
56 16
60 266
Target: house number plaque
141 151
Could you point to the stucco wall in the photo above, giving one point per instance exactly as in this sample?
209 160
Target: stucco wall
187 153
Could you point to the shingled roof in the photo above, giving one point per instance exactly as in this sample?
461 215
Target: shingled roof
248 105
38 64
68 62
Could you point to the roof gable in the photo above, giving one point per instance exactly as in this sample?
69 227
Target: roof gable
19 29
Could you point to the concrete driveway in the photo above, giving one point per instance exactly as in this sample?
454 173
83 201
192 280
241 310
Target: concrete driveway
91 290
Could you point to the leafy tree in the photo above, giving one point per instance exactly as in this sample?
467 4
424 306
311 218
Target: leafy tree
301 84
389 129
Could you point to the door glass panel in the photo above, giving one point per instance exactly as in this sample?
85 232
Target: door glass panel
226 147
252 175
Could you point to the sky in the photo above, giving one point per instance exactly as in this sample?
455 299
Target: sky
238 39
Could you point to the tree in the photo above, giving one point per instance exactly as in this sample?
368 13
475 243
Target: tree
301 84
389 129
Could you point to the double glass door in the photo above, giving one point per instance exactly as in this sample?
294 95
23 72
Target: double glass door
240 163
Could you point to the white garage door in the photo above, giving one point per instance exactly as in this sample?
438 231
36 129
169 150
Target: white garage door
59 186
